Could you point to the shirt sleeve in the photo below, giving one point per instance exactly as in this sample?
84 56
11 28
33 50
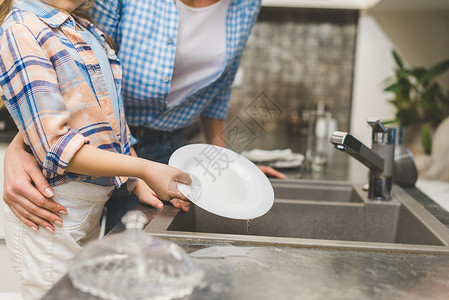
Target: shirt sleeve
107 14
30 91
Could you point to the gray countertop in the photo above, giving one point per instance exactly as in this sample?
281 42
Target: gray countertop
233 272
294 273
241 272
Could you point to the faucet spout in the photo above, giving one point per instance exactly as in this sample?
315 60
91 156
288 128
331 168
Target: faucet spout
379 158
344 141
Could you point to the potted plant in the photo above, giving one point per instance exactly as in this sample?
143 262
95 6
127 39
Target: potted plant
418 97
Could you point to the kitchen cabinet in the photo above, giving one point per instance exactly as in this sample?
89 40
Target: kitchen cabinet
332 4
362 4
416 5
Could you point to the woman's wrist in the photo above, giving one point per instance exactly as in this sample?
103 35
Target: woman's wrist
17 143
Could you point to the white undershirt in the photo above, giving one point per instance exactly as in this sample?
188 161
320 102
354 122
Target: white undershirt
200 49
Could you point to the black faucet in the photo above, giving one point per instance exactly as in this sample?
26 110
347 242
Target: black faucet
379 159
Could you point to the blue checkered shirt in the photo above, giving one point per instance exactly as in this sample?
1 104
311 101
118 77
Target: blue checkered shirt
145 32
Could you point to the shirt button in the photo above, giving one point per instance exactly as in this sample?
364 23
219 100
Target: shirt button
165 79
111 52
170 40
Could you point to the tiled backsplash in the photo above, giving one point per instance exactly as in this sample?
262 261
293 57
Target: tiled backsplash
297 58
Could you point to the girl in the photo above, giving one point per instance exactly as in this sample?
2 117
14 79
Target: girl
60 81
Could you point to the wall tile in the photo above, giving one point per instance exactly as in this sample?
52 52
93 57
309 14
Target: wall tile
299 57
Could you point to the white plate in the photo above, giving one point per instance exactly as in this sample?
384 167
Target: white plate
223 182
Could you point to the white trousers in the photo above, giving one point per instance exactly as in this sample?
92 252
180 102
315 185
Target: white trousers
41 257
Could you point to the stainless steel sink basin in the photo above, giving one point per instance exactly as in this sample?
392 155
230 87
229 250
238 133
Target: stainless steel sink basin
317 214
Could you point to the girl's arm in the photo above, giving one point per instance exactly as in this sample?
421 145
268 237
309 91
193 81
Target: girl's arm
162 179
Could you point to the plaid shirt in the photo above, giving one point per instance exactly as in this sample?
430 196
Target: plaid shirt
146 33
43 88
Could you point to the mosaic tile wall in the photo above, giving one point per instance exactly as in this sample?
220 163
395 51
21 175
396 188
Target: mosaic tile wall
294 59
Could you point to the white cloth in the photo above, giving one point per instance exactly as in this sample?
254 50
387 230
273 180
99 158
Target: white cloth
200 49
258 155
41 257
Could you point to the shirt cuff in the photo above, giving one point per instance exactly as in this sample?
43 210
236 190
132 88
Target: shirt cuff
63 150
216 111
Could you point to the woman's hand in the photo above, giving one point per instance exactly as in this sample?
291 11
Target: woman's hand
31 204
147 196
182 204
269 171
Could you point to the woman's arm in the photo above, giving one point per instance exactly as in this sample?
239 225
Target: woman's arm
213 131
31 204
161 178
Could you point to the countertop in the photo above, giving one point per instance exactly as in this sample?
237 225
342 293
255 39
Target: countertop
240 272
295 273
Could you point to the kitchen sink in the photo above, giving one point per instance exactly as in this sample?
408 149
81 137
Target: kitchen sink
322 214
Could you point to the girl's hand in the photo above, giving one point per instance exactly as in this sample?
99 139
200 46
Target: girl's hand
163 179
147 196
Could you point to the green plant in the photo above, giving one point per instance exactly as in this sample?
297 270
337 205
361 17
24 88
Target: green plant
426 139
418 97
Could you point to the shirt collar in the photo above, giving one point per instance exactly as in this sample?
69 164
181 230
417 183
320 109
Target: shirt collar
48 14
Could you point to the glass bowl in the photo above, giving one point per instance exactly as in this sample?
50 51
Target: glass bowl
133 265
